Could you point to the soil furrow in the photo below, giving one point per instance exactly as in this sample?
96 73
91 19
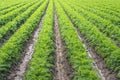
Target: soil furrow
98 62
18 71
62 67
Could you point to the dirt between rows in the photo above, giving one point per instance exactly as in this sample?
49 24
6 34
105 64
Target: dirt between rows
17 71
98 62
62 69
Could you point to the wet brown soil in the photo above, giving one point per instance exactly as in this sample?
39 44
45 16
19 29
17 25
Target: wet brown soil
62 68
98 62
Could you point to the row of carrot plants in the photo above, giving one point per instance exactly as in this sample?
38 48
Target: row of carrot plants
114 19
40 67
12 26
6 7
111 6
3 12
114 9
76 53
11 51
108 11
103 45
11 15
103 25
101 7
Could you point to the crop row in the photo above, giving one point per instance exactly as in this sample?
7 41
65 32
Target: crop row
3 12
9 16
42 62
114 19
103 45
11 51
103 25
6 7
111 6
98 11
108 11
13 25
76 53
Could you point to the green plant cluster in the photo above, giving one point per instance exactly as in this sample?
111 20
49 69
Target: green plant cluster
103 25
109 5
108 11
103 45
13 25
3 12
11 51
114 19
76 53
11 15
40 67
5 4
8 6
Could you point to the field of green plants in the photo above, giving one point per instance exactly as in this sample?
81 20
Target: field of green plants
59 39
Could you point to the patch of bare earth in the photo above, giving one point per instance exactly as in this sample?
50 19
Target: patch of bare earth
98 62
62 71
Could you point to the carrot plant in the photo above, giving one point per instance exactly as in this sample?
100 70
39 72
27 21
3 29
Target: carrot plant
3 12
105 26
76 53
9 16
114 19
42 61
103 45
11 51
12 26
